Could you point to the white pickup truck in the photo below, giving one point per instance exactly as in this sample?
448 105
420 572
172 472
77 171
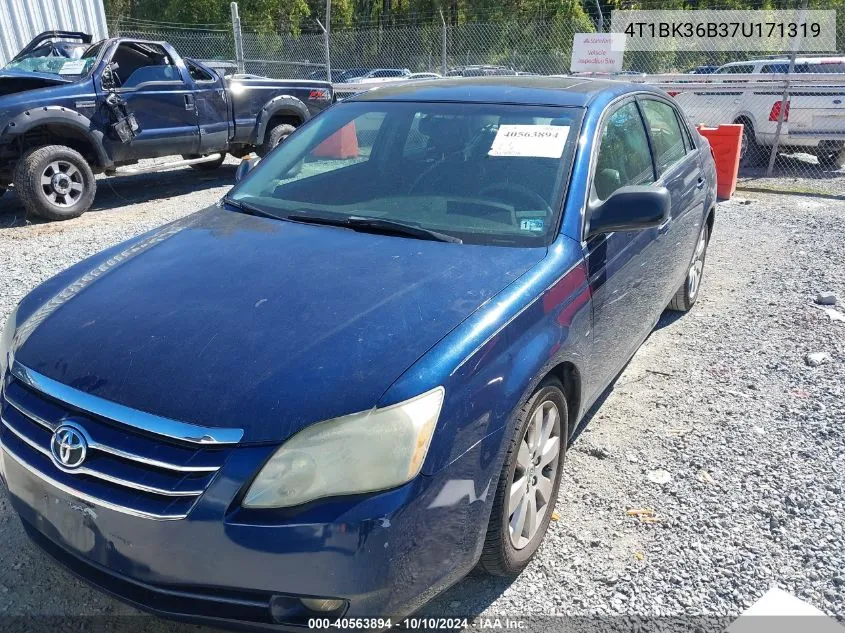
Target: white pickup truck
814 120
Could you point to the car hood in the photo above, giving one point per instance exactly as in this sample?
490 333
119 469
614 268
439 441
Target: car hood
230 320
16 81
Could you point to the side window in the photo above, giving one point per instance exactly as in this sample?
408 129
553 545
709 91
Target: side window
198 74
139 63
665 131
775 69
624 157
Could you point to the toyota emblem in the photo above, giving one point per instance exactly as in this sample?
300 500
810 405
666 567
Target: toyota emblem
68 446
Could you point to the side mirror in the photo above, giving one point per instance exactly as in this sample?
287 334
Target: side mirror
107 79
247 164
630 208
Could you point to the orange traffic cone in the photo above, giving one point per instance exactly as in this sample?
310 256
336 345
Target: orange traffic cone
341 144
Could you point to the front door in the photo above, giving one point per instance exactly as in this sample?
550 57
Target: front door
157 92
623 272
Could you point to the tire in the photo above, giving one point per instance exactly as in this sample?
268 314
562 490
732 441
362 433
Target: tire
210 166
687 294
752 154
2 191
832 160
275 136
502 556
55 182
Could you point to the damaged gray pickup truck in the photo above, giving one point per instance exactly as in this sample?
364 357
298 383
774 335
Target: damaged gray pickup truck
70 109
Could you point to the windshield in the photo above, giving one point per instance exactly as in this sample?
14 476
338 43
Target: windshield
69 60
483 173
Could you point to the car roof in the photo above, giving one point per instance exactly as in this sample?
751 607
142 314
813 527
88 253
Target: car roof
785 60
518 89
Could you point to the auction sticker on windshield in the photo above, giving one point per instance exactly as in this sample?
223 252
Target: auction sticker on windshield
75 67
538 141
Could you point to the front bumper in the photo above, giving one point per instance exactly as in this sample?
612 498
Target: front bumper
386 554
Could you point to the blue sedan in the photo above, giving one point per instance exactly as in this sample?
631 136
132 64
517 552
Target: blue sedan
355 378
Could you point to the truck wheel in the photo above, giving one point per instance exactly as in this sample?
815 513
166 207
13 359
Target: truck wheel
831 160
209 166
55 182
275 136
751 154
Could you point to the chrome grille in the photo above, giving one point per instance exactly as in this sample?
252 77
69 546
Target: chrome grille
126 469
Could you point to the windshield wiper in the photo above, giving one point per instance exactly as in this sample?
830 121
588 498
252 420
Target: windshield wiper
250 209
377 225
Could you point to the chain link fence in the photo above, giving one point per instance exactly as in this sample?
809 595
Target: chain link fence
799 108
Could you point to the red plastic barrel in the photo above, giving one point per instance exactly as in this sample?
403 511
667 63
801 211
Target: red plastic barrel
726 142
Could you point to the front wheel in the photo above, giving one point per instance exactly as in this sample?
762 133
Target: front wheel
529 483
685 297
55 182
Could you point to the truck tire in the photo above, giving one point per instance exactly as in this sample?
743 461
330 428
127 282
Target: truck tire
832 160
210 166
751 154
275 136
55 182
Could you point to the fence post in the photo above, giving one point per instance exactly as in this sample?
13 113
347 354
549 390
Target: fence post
328 54
328 40
785 99
443 53
238 35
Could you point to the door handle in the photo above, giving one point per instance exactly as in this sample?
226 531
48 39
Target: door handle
700 183
189 102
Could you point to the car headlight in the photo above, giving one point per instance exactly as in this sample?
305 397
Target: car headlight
6 342
362 452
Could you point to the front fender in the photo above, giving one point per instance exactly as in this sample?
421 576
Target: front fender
56 115
285 105
497 357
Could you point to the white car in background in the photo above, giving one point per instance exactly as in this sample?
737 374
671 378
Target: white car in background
814 120
381 75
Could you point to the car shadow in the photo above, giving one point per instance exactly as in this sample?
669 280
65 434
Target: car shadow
120 191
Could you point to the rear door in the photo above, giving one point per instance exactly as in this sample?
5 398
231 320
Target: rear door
679 170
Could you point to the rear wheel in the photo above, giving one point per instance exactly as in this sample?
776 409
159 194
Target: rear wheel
529 483
831 159
685 297
274 137
751 154
55 182
209 166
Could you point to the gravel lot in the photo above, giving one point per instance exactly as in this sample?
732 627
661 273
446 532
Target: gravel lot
749 435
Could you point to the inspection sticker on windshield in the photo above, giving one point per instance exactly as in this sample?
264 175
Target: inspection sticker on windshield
539 141
532 224
75 67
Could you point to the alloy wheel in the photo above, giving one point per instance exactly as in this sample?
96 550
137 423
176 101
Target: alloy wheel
62 183
535 474
696 269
